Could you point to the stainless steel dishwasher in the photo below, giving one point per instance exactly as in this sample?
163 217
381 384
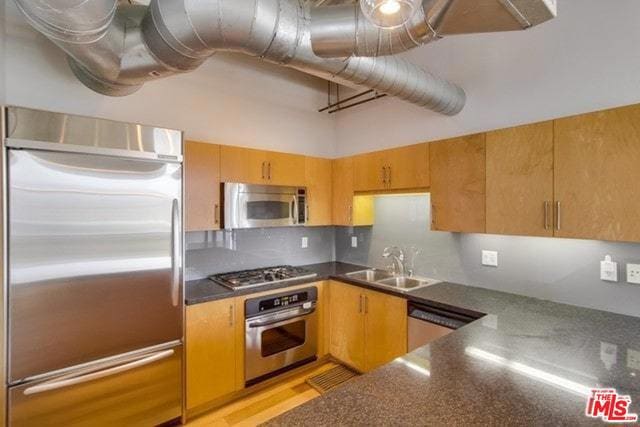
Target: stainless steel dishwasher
427 323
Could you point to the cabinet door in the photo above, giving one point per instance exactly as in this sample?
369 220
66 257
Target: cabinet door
347 325
202 186
244 165
597 158
408 167
285 169
368 172
458 184
520 180
318 178
342 175
385 328
211 351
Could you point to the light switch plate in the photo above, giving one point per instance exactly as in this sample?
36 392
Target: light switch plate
633 359
305 243
354 241
490 258
633 273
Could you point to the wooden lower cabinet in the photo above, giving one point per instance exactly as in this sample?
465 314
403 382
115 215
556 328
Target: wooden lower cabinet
385 328
367 328
347 325
212 351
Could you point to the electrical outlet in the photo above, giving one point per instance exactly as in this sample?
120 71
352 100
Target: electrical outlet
354 241
608 269
490 258
305 243
633 273
633 359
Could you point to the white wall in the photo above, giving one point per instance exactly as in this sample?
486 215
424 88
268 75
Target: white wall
231 99
587 59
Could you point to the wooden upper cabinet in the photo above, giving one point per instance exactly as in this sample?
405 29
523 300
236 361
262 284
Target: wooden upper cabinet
342 198
244 165
202 186
597 175
408 167
252 166
401 168
369 172
458 184
319 195
211 351
285 169
520 180
349 209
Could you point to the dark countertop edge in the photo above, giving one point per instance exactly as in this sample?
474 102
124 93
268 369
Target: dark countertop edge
325 271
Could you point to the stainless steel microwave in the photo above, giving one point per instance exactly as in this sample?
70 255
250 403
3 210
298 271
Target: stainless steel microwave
256 206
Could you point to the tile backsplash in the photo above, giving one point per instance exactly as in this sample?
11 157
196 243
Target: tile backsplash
561 270
211 252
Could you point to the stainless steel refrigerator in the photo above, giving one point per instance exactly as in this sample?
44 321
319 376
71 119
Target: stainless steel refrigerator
93 238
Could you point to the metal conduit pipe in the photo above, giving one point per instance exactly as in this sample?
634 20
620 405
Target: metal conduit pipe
114 50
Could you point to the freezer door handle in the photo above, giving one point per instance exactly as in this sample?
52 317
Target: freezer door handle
74 380
175 253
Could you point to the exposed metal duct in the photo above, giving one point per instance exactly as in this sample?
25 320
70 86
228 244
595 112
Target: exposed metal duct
114 50
343 30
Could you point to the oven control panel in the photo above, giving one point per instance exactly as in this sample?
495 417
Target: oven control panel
281 301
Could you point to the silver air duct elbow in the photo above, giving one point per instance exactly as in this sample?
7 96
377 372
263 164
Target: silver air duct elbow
342 31
115 51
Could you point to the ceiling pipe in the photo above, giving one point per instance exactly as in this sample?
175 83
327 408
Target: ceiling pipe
342 31
114 50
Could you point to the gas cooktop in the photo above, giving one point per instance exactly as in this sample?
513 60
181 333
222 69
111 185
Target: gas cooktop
261 276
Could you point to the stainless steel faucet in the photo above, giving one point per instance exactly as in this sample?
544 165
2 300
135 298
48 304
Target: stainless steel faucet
397 257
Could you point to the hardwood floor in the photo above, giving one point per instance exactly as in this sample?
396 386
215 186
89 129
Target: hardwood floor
264 404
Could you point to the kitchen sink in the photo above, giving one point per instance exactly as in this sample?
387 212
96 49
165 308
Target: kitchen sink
371 275
404 283
385 279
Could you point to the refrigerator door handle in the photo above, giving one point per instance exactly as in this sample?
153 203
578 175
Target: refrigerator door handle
175 253
74 380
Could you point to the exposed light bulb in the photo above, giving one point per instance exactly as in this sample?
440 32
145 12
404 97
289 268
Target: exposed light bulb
390 7
389 13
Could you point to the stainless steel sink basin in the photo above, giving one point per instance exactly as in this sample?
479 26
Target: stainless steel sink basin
371 275
385 279
403 283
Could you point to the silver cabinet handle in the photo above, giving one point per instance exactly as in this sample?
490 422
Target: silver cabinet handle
216 213
74 380
175 252
263 164
547 216
389 177
366 304
558 216
295 212
350 214
384 176
306 212
433 216
269 170
231 315
360 304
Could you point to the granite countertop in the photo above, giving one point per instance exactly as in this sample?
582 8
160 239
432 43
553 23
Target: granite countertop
527 362
203 290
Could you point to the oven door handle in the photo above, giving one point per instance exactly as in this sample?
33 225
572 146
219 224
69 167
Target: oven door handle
273 320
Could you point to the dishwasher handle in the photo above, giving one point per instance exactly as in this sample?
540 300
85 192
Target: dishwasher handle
439 317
